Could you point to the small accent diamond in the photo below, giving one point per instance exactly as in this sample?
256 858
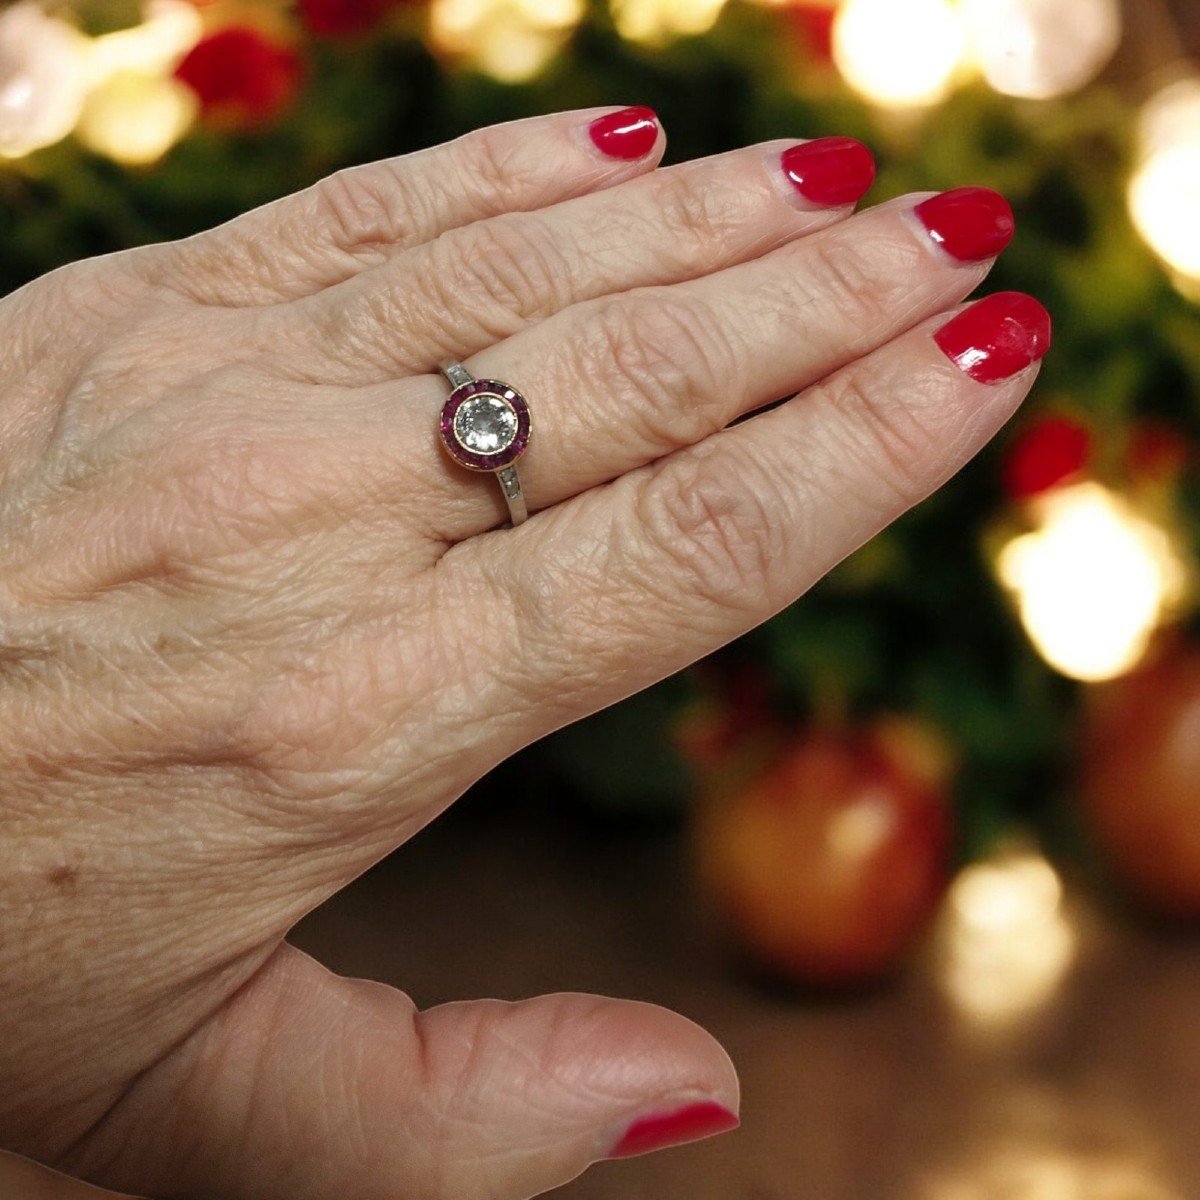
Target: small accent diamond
485 424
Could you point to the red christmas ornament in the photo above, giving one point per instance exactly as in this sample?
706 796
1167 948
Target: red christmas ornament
1140 780
1047 453
830 862
814 23
342 18
241 76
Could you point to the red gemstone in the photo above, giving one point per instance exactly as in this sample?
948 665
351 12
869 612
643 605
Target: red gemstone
475 459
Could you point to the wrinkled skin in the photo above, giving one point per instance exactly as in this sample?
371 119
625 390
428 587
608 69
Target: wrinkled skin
256 629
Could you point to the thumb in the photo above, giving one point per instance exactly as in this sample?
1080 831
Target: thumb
308 1086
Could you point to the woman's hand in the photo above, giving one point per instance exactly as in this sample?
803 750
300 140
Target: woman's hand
256 628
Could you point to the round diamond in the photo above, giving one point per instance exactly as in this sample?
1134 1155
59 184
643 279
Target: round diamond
485 424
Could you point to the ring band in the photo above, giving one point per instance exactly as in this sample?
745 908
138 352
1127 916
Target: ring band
484 426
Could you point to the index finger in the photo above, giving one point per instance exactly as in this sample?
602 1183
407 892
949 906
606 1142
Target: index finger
362 215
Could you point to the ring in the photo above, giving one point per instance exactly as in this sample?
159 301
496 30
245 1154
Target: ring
485 427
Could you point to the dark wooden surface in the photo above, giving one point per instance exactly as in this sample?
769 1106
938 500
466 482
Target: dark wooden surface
1096 1096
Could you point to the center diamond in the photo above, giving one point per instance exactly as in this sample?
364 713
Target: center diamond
485 424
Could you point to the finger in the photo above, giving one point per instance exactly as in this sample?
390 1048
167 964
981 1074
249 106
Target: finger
673 224
23 1180
627 584
479 284
617 383
363 215
313 1087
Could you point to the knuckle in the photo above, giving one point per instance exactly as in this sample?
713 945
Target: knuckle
893 431
698 219
360 207
719 530
493 163
674 365
864 279
505 272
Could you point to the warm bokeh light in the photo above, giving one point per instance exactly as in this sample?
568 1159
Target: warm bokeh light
170 29
43 79
900 53
136 118
1042 48
1007 943
655 21
1093 581
1164 194
1022 1169
510 40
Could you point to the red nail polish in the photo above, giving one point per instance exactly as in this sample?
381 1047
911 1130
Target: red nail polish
970 224
629 134
831 171
997 337
687 1124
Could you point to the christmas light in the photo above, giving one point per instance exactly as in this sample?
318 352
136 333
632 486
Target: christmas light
1007 942
42 79
136 118
170 29
1164 194
900 53
656 21
511 40
1093 582
1042 48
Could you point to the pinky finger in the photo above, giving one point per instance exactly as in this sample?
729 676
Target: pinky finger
629 583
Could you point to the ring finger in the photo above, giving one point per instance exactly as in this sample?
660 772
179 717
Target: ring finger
622 381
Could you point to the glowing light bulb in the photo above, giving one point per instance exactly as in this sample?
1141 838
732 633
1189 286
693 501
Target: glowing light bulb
1164 194
170 29
657 21
1042 48
1093 582
511 40
43 79
900 53
1007 942
136 118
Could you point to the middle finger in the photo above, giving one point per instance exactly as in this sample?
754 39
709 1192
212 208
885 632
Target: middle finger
476 285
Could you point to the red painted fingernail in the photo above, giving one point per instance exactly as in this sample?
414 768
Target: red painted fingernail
997 337
831 171
629 134
970 224
687 1124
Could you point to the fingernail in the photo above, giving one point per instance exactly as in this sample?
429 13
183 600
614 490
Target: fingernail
970 224
688 1124
628 134
829 172
997 337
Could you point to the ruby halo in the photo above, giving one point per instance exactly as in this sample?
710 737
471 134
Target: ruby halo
485 425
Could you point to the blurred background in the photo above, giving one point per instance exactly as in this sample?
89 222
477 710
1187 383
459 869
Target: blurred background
924 851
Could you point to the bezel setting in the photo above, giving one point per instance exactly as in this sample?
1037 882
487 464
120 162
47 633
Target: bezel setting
473 460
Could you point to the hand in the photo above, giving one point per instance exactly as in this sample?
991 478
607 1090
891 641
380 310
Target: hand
256 628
